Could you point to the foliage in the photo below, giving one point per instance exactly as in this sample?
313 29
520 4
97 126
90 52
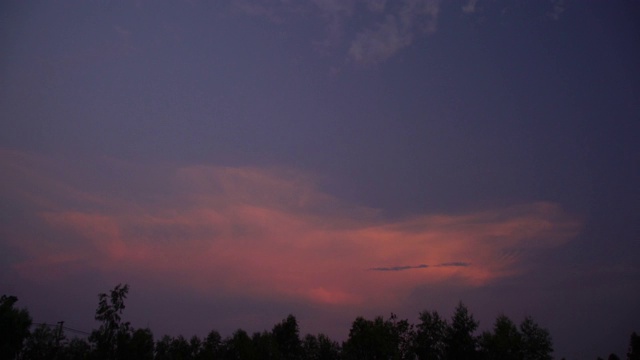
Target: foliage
390 339
505 343
212 346
287 338
239 346
141 345
14 327
77 349
379 339
536 341
320 348
112 338
460 342
634 347
430 337
45 343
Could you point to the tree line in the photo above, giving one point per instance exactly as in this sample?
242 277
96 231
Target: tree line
389 338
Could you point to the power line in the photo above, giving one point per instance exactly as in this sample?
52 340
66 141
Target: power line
58 326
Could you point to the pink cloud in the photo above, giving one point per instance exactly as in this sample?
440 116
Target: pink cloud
265 232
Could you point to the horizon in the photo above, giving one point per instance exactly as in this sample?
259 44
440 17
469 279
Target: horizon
241 160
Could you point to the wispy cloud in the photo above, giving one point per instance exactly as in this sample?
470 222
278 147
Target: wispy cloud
398 30
259 232
400 268
382 28
469 7
558 8
371 31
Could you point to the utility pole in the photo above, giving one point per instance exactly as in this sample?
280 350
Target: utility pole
59 333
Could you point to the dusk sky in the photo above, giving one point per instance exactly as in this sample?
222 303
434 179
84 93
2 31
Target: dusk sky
236 161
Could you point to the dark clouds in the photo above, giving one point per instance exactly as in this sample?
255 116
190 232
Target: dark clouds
399 268
421 266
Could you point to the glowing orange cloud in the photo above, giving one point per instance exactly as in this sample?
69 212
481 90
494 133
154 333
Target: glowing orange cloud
262 233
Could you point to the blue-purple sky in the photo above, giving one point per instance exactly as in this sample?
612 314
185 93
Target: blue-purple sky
236 161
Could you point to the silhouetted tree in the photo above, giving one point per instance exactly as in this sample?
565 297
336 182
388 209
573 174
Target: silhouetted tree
367 340
429 341
239 346
111 339
327 348
179 348
379 339
505 343
211 346
634 347
141 345
310 347
195 346
613 356
45 343
536 341
460 341
319 348
163 348
286 335
265 346
77 349
14 327
388 339
403 334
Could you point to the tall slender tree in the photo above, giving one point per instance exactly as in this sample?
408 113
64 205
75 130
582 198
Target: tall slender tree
460 339
112 337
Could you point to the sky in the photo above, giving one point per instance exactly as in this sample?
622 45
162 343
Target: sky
236 161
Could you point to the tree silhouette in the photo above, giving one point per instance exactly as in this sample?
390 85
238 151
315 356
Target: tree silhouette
634 347
112 338
141 345
505 343
44 343
162 348
212 346
379 339
77 349
367 340
319 348
14 327
460 342
179 348
239 346
286 335
265 346
429 342
536 341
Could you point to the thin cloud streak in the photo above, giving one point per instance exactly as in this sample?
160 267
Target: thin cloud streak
454 264
400 268
254 232
421 266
